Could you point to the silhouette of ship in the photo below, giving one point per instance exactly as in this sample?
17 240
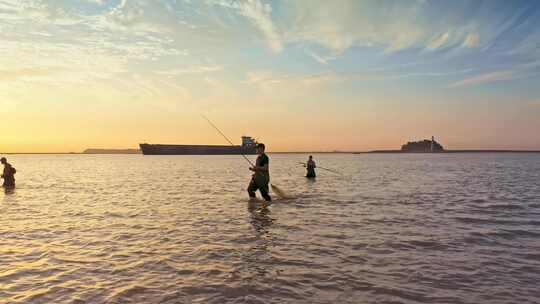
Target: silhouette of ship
248 147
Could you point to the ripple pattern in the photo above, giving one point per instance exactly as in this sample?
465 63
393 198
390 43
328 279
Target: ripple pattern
179 229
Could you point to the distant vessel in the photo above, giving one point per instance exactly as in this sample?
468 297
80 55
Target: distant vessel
424 146
248 147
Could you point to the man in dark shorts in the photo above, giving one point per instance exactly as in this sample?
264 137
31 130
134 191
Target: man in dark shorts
261 175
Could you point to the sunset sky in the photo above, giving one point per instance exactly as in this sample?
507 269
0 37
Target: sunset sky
297 75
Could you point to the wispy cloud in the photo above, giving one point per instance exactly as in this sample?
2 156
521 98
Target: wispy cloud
261 15
518 71
267 79
485 78
471 40
61 46
23 73
438 42
99 2
125 35
191 70
424 74
321 59
341 25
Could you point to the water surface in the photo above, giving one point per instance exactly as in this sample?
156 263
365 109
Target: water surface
459 228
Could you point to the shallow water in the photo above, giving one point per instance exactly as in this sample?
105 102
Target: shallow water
460 228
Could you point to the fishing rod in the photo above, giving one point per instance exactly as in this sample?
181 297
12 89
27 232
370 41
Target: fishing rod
227 139
276 189
319 167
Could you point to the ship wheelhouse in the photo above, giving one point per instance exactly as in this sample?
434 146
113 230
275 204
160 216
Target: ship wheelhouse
248 141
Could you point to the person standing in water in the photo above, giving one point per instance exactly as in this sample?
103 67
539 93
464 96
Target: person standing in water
310 167
261 175
8 174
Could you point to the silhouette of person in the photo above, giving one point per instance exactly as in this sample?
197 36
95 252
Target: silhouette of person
261 175
8 175
310 167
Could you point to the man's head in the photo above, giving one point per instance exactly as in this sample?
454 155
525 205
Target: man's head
3 160
260 148
310 157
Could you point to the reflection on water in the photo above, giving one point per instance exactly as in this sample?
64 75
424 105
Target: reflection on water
260 216
257 256
180 229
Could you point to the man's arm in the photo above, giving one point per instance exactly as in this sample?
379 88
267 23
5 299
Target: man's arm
263 168
259 168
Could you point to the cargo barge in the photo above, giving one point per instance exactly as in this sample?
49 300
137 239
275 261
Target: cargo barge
248 147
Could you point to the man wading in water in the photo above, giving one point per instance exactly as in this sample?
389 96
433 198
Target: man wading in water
8 174
310 166
261 175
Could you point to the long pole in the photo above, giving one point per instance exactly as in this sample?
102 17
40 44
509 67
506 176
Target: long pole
227 139
319 167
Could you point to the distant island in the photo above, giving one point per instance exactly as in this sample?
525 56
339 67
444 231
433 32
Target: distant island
432 146
112 151
423 146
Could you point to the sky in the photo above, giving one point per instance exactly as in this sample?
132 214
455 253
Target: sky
311 75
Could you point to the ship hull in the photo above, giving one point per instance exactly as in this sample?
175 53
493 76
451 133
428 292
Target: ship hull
159 149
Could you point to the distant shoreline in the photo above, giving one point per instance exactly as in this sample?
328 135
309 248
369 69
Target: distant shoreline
282 152
446 151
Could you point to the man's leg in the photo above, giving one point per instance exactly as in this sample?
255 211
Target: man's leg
252 188
264 193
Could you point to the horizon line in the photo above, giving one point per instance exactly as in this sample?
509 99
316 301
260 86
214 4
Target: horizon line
389 151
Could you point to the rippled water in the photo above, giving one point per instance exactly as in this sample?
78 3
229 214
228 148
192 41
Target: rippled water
462 228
